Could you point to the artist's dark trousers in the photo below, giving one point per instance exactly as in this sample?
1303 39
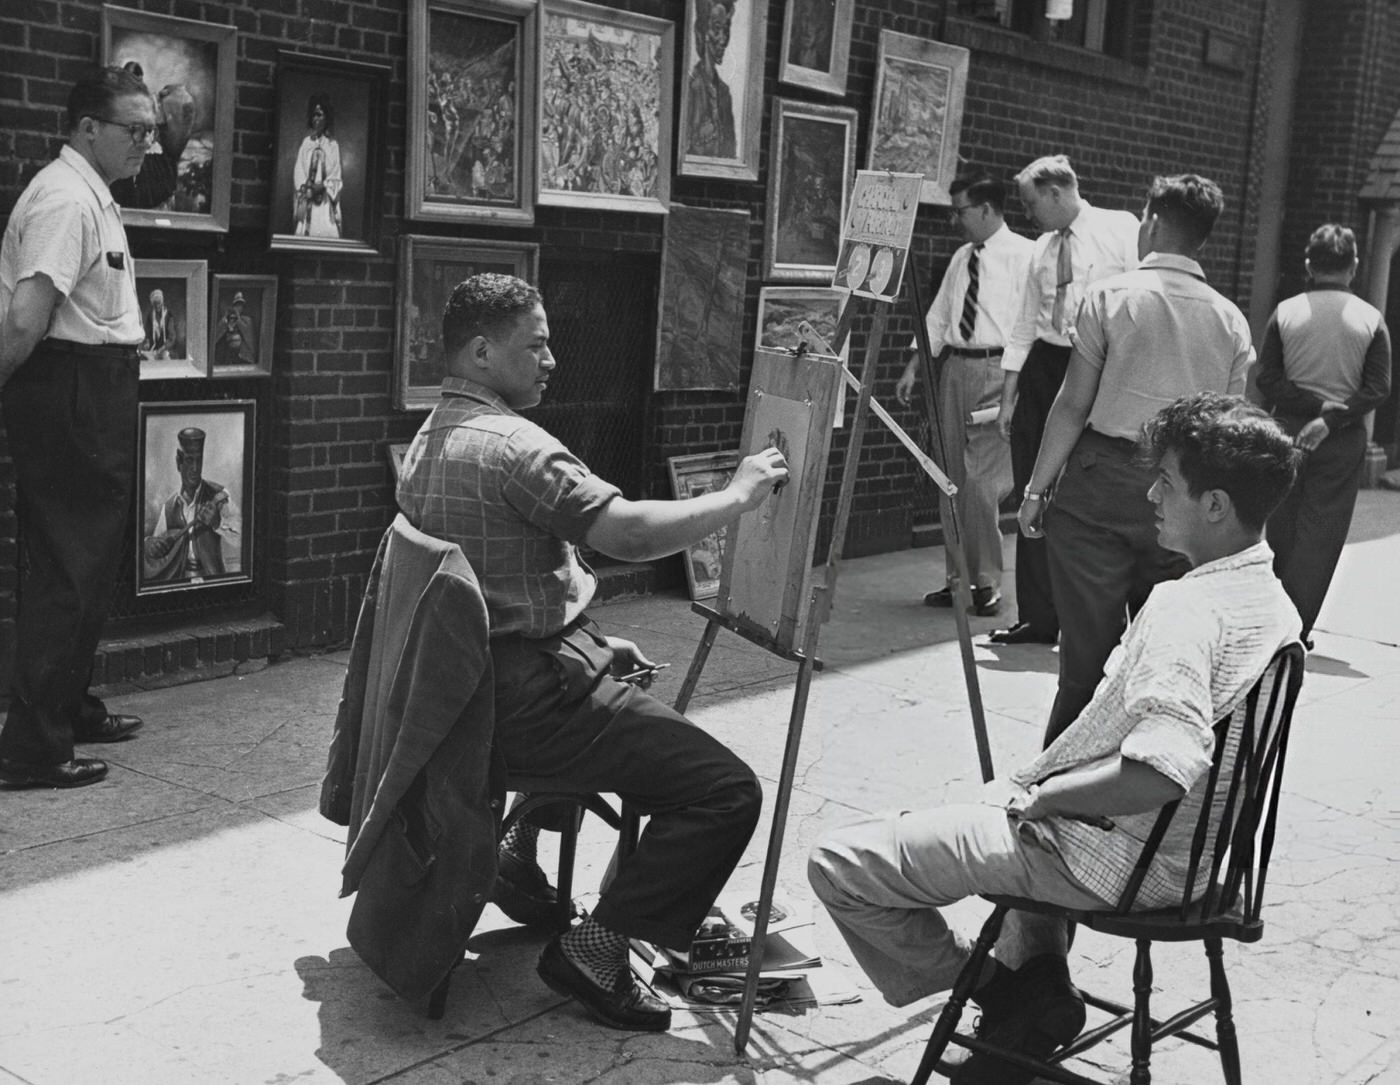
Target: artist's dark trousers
1309 529
562 722
1101 537
1039 383
71 422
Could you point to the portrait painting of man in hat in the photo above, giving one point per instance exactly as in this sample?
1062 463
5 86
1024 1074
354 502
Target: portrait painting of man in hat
199 530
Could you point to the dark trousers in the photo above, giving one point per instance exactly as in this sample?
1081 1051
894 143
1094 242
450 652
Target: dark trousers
1039 383
562 722
1101 536
72 430
1309 529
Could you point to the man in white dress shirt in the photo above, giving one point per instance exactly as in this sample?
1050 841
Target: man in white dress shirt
1082 244
969 322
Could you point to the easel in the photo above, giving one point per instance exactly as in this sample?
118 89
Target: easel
819 609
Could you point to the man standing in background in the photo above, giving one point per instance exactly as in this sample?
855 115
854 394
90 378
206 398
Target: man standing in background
970 320
70 325
1082 244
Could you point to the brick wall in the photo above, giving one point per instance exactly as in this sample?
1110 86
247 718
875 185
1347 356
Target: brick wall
328 408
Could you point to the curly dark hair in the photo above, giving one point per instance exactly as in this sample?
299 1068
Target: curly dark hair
484 304
1225 443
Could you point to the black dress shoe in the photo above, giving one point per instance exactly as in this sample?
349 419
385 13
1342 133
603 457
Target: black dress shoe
943 597
74 773
524 894
110 728
1021 633
626 1006
1049 1015
986 602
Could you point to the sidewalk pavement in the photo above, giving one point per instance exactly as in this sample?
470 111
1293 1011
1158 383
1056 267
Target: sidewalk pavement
179 923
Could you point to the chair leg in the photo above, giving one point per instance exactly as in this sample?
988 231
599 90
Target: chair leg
1224 1013
564 881
1142 1015
947 1022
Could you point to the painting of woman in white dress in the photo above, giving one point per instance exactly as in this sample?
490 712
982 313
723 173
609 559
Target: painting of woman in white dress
316 176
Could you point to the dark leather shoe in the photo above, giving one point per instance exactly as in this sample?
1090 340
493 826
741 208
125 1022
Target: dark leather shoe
1049 1015
74 773
943 597
986 602
626 1006
1021 633
524 894
111 728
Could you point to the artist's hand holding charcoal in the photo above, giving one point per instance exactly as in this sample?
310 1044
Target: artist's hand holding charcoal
759 475
628 661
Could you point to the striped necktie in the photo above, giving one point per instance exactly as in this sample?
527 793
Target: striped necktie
967 324
1064 275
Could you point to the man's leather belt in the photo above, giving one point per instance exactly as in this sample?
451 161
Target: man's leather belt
111 351
977 352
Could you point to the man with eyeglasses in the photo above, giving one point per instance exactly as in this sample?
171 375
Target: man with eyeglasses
969 323
70 326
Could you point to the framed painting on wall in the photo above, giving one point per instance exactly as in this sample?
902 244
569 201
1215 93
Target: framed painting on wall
782 310
810 167
472 79
722 91
699 335
605 108
242 325
195 495
429 269
188 67
329 166
174 300
816 49
691 476
919 90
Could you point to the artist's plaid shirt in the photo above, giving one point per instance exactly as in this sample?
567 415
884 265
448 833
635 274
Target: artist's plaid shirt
513 498
1188 658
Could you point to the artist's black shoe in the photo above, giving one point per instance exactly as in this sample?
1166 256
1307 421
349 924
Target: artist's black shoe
1048 1014
524 894
627 1006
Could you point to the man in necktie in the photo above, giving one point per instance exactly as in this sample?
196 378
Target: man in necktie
1081 245
976 306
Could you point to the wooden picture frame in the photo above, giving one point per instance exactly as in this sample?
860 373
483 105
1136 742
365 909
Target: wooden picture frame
816 48
811 165
195 532
766 582
691 476
722 101
188 66
327 183
429 269
782 309
616 158
242 325
920 87
473 72
175 326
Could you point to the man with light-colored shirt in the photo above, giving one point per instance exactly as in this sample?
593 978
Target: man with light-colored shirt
518 503
969 322
1142 340
1082 244
1077 817
70 326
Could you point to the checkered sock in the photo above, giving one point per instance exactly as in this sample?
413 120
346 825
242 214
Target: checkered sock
600 953
521 840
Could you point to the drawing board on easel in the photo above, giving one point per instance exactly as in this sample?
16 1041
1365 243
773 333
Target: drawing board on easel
767 578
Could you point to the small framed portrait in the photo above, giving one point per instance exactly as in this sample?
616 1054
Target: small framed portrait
329 154
195 495
810 168
605 108
722 89
692 476
919 91
174 299
472 78
816 49
429 269
242 321
188 66
783 311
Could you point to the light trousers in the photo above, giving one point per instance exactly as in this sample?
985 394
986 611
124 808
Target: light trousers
979 462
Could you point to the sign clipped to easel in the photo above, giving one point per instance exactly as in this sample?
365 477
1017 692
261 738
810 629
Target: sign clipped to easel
879 226
765 585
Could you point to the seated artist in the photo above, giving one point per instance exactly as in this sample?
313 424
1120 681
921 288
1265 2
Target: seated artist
1080 812
518 502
